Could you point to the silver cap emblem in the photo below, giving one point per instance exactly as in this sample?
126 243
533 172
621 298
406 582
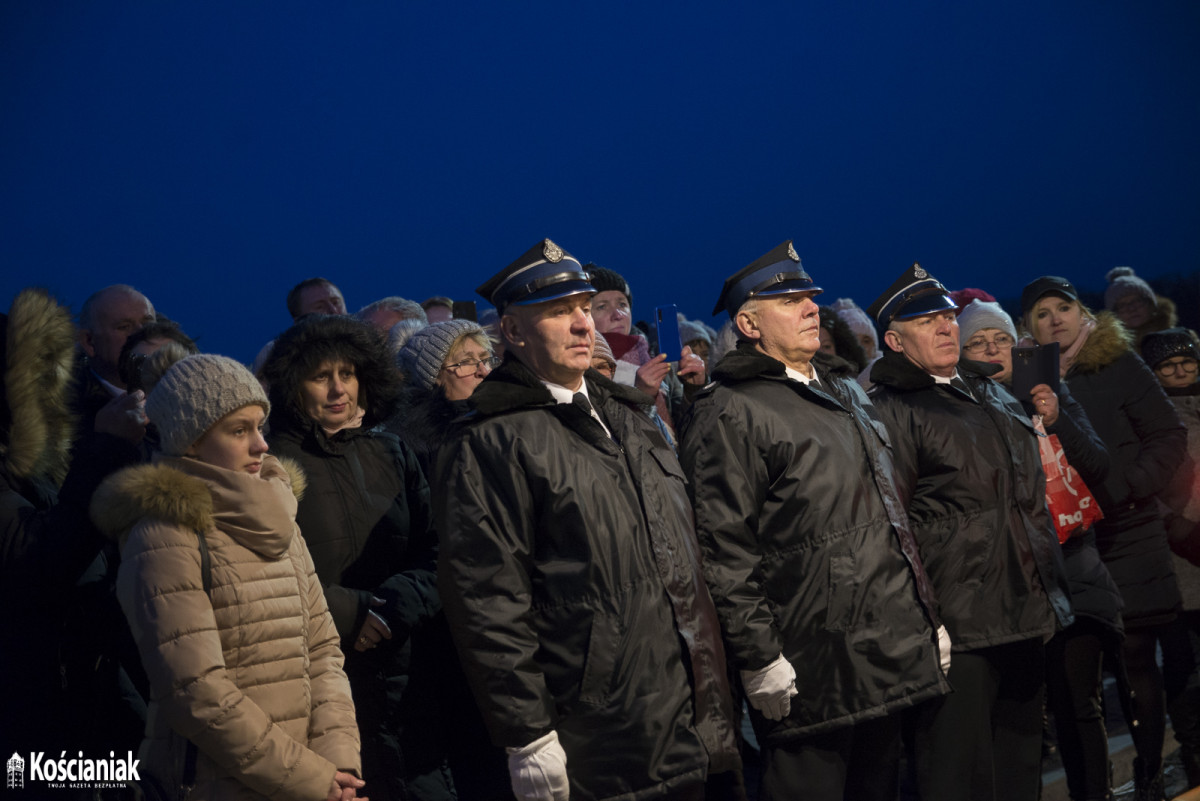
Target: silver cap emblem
552 252
919 273
792 253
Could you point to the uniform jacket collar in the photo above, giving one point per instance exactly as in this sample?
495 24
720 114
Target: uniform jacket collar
896 371
513 386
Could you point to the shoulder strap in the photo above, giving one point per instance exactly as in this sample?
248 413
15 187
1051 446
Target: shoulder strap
190 753
205 564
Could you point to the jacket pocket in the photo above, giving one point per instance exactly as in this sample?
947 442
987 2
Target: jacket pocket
842 590
603 645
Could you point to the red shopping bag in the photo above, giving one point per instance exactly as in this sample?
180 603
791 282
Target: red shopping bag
1072 505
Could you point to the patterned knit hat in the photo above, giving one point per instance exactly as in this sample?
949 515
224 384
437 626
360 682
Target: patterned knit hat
1158 346
603 351
423 355
197 392
856 318
1123 281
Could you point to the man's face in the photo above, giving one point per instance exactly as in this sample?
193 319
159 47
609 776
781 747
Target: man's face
554 339
321 299
929 341
785 327
115 315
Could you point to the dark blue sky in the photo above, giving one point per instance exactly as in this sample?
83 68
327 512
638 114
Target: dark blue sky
213 154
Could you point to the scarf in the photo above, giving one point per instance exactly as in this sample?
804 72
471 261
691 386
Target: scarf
1067 357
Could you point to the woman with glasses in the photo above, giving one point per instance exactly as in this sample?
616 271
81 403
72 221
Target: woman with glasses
1147 441
1174 356
1074 656
365 515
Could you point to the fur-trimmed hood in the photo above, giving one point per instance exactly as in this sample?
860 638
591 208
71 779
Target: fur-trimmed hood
259 513
1107 342
36 424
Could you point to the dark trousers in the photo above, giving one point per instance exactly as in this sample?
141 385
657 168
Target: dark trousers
1074 660
1181 679
856 763
1146 682
983 741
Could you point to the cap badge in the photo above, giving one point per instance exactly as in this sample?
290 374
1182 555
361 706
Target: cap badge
792 253
552 252
919 272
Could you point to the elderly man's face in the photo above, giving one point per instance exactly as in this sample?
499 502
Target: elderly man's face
785 327
929 341
554 339
115 315
321 299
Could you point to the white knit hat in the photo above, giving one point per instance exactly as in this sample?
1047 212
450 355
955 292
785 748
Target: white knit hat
423 355
858 320
197 392
980 314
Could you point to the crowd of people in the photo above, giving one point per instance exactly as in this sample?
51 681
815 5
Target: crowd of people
407 554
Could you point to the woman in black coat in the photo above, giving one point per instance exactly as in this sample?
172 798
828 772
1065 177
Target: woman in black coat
1147 441
365 515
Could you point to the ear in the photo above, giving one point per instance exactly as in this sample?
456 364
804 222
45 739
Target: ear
892 338
84 338
747 325
510 327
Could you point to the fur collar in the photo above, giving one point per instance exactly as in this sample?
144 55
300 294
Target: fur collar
424 419
1107 342
513 386
39 360
192 495
746 362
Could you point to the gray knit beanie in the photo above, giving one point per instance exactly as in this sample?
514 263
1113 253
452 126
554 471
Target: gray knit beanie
197 392
979 314
1123 281
691 330
604 351
858 320
423 355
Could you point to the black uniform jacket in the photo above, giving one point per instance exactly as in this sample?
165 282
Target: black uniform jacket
806 543
970 470
571 578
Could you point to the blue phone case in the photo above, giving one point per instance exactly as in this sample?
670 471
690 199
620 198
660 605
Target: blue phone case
666 320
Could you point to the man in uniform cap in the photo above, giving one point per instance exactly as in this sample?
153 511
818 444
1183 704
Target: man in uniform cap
825 607
970 474
569 568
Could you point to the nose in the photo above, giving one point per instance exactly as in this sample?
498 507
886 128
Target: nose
581 320
991 347
484 366
259 445
337 387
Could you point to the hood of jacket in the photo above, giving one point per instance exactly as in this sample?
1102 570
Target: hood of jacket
259 512
1107 342
513 386
424 418
38 357
896 370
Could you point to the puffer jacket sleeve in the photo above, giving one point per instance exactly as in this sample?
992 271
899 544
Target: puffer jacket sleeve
410 596
333 731
484 520
160 589
727 478
1081 444
1160 432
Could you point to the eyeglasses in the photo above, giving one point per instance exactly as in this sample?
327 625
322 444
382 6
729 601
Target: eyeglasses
978 344
468 367
1167 368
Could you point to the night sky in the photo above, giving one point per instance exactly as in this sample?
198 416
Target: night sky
213 154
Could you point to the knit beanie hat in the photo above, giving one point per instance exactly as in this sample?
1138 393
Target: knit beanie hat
604 280
603 350
980 314
964 296
1123 281
691 330
423 355
856 318
1158 346
197 392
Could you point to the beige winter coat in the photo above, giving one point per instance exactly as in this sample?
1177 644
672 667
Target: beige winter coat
254 678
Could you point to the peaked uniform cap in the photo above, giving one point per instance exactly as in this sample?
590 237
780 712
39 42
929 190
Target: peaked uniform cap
544 272
913 294
778 272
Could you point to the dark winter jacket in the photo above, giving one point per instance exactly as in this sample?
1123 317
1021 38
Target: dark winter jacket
807 547
571 577
969 468
47 541
1147 440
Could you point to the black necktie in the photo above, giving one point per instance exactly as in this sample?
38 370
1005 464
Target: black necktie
581 402
961 385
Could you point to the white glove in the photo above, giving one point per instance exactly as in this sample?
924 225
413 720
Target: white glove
943 646
539 770
770 689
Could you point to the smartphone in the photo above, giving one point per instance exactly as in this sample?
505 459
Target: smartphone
666 320
465 310
1032 366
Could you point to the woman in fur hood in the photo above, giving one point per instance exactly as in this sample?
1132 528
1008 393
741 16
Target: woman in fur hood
366 517
46 537
1147 442
248 696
